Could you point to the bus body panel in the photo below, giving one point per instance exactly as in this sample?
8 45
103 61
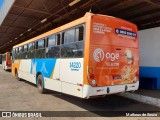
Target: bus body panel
15 66
53 71
114 55
107 30
71 75
111 65
71 70
24 71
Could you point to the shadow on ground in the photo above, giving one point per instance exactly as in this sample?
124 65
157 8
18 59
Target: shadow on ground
111 105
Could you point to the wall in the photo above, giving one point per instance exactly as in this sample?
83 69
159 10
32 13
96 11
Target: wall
149 43
5 9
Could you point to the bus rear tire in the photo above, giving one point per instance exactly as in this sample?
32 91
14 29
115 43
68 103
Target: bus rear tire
40 87
16 73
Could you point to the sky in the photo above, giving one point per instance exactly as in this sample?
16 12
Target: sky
1 2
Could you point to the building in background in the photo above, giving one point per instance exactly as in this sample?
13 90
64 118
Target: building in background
150 58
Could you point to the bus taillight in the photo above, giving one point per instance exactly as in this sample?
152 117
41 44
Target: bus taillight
91 76
136 74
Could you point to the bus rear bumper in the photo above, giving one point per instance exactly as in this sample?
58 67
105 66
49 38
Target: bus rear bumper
89 91
7 68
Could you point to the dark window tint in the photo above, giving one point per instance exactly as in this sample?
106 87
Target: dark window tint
63 38
40 53
53 52
22 49
58 39
31 54
31 51
72 50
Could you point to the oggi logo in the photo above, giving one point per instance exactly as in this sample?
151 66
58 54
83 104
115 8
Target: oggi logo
98 55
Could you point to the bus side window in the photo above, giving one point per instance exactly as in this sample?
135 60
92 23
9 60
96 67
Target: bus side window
40 51
53 51
13 54
25 48
73 43
22 49
9 55
69 36
30 46
51 41
20 53
31 53
26 51
40 44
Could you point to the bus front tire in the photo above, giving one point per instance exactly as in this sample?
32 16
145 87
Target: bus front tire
40 87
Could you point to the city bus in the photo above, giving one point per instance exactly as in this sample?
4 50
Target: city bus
92 56
6 61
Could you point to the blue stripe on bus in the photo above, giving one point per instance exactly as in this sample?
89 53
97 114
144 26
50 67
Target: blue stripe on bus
44 66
